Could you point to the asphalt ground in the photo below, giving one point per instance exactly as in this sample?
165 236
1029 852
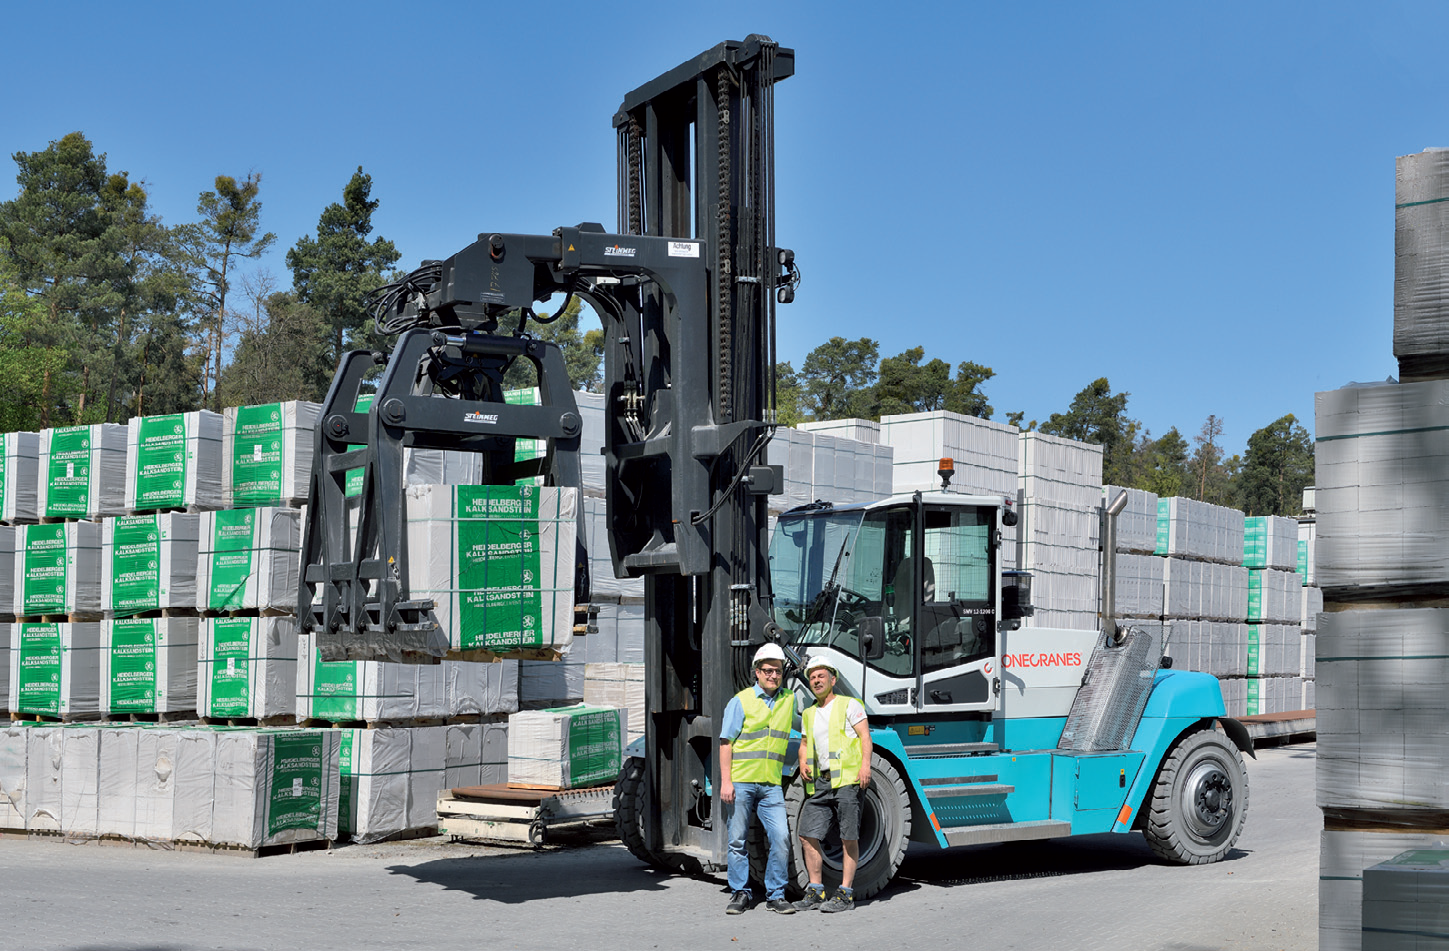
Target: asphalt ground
588 892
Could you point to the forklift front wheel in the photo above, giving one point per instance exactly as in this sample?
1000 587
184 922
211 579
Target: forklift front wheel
1199 801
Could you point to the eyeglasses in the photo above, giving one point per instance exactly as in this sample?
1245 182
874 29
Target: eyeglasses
770 671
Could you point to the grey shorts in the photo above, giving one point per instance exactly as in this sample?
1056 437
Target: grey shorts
827 808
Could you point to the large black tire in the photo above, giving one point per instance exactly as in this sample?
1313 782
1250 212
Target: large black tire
630 802
885 832
1199 801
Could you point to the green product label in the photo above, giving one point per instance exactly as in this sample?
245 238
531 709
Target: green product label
500 604
6 441
45 570
133 666
160 463
334 689
593 747
1164 525
135 565
346 807
256 460
353 486
68 472
295 795
526 449
1255 542
1255 701
1253 652
1303 562
39 688
1255 596
231 658
233 538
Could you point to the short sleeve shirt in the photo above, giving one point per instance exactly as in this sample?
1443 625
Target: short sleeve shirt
820 737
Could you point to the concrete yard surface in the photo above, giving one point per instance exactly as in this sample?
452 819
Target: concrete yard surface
1102 891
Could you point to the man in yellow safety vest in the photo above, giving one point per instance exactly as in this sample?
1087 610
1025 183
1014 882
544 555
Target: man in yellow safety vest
753 740
835 764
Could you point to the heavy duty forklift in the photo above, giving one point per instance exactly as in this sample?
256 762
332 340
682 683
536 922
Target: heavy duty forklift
985 731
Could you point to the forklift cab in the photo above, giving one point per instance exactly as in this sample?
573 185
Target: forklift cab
903 594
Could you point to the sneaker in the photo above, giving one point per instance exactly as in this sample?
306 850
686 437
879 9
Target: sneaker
740 903
780 906
814 898
842 901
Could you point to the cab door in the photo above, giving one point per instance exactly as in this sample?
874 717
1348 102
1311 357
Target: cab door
956 599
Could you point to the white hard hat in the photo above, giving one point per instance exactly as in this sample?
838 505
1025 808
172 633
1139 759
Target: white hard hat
769 652
819 661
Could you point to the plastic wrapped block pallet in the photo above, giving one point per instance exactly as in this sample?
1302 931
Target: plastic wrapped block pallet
550 683
173 461
267 453
591 439
1063 600
7 570
1382 486
1311 605
498 561
55 669
1421 258
1310 695
60 571
148 665
860 430
43 754
476 754
1274 650
1054 469
1307 535
795 451
1273 694
249 559
1137 522
275 786
1307 654
567 748
80 762
1207 590
389 782
1383 709
478 689
117 765
1139 585
984 452
6 633
617 685
620 635
1270 541
1057 535
82 471
1275 596
148 562
366 690
13 740
1219 648
1191 529
846 470
246 667
1406 900
19 475
1343 858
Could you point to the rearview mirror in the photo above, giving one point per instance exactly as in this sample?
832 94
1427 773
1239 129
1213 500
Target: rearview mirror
872 637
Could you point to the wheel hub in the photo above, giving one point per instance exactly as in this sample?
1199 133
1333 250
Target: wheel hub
1209 792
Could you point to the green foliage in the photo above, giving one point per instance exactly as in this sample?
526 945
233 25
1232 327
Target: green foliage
583 353
1097 415
1211 480
28 367
789 396
965 396
334 271
282 354
228 230
837 379
1278 464
1167 470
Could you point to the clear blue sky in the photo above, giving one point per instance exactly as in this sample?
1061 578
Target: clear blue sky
1193 200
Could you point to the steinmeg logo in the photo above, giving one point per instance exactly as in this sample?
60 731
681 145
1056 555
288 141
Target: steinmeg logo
483 419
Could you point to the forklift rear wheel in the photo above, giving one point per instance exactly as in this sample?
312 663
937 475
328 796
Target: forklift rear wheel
630 805
1199 800
885 831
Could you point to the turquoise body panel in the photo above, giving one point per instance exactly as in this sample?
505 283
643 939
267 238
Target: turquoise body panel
1095 792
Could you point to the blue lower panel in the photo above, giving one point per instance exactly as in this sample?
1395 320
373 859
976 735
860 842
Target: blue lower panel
1089 789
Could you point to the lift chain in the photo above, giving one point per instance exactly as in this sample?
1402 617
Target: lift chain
725 279
635 183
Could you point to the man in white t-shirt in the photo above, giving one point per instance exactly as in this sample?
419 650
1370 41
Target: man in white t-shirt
835 753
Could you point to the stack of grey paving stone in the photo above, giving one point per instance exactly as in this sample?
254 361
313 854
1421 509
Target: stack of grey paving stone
1382 560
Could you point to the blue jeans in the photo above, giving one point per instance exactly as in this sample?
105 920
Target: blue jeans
768 801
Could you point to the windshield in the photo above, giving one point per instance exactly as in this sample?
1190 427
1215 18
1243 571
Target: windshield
809 556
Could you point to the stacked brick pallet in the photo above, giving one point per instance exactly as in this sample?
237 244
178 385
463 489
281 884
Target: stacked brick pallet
1058 541
1382 559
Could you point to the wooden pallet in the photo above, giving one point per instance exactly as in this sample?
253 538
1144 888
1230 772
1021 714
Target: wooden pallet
504 814
395 723
178 716
17 716
283 719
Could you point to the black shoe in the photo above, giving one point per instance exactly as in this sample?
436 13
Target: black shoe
740 903
841 902
780 906
813 899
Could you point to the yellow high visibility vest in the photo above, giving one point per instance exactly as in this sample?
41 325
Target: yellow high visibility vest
843 760
757 755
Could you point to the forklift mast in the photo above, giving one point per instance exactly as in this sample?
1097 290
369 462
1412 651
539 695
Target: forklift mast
691 407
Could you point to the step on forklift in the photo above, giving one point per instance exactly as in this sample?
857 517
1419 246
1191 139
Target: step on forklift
985 731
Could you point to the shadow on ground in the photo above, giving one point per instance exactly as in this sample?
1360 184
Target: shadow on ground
530 876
